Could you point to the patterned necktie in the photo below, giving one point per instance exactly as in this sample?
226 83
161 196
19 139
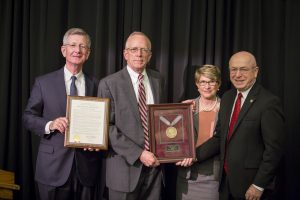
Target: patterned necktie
73 89
143 109
234 117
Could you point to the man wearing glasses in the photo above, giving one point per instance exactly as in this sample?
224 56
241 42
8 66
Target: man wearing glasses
62 173
249 134
132 171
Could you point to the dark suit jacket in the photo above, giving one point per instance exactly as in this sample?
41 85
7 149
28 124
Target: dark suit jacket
256 145
126 137
54 162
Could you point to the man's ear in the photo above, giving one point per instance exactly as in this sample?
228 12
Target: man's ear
149 57
88 54
63 51
125 54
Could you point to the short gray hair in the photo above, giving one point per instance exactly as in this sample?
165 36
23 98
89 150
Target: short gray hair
140 34
77 31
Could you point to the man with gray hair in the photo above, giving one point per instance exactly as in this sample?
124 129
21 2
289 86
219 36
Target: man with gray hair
132 171
62 173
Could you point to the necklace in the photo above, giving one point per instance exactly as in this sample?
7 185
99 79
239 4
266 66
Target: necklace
207 108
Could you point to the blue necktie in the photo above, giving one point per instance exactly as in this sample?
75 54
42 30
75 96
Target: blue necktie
73 89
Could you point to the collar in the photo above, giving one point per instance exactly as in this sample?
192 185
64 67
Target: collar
134 75
68 74
246 92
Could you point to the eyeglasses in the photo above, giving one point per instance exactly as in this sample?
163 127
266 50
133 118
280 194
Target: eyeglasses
210 83
243 70
80 46
136 49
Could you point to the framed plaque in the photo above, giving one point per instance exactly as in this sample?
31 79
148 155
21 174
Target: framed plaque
88 122
171 131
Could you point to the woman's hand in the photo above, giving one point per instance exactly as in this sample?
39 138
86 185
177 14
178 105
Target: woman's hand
186 162
192 102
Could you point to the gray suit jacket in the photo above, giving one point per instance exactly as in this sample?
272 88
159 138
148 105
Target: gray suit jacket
54 162
208 167
123 167
256 145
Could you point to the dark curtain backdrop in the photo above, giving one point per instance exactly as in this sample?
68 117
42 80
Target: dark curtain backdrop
183 34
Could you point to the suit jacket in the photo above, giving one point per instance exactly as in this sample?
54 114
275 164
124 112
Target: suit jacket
54 162
126 137
256 145
208 167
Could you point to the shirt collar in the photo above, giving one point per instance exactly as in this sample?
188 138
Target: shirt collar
134 75
246 92
68 74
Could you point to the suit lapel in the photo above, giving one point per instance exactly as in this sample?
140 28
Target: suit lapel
196 127
88 86
228 106
60 85
251 97
128 88
196 118
154 84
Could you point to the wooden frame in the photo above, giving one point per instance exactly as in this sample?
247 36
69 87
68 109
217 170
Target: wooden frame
7 184
88 122
171 131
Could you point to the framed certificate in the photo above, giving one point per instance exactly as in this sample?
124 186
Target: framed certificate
88 122
171 131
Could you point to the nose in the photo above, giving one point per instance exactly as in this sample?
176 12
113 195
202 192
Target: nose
77 49
139 52
238 72
206 85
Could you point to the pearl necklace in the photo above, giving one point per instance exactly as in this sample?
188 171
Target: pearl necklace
205 108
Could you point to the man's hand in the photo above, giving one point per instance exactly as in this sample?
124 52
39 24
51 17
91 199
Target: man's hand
253 193
91 149
185 162
59 124
148 159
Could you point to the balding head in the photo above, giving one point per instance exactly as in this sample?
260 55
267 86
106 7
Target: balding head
243 70
245 56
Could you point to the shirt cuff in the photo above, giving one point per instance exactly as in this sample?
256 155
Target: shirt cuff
47 128
259 188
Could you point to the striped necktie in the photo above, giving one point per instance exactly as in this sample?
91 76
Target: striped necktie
143 109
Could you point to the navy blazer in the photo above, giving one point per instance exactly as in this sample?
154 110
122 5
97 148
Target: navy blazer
54 162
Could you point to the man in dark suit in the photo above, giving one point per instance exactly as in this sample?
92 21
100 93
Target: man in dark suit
250 140
132 171
62 173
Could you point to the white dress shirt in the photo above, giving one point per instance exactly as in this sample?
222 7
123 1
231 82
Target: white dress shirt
80 82
135 82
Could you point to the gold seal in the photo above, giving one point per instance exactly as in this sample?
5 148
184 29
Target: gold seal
76 138
171 132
